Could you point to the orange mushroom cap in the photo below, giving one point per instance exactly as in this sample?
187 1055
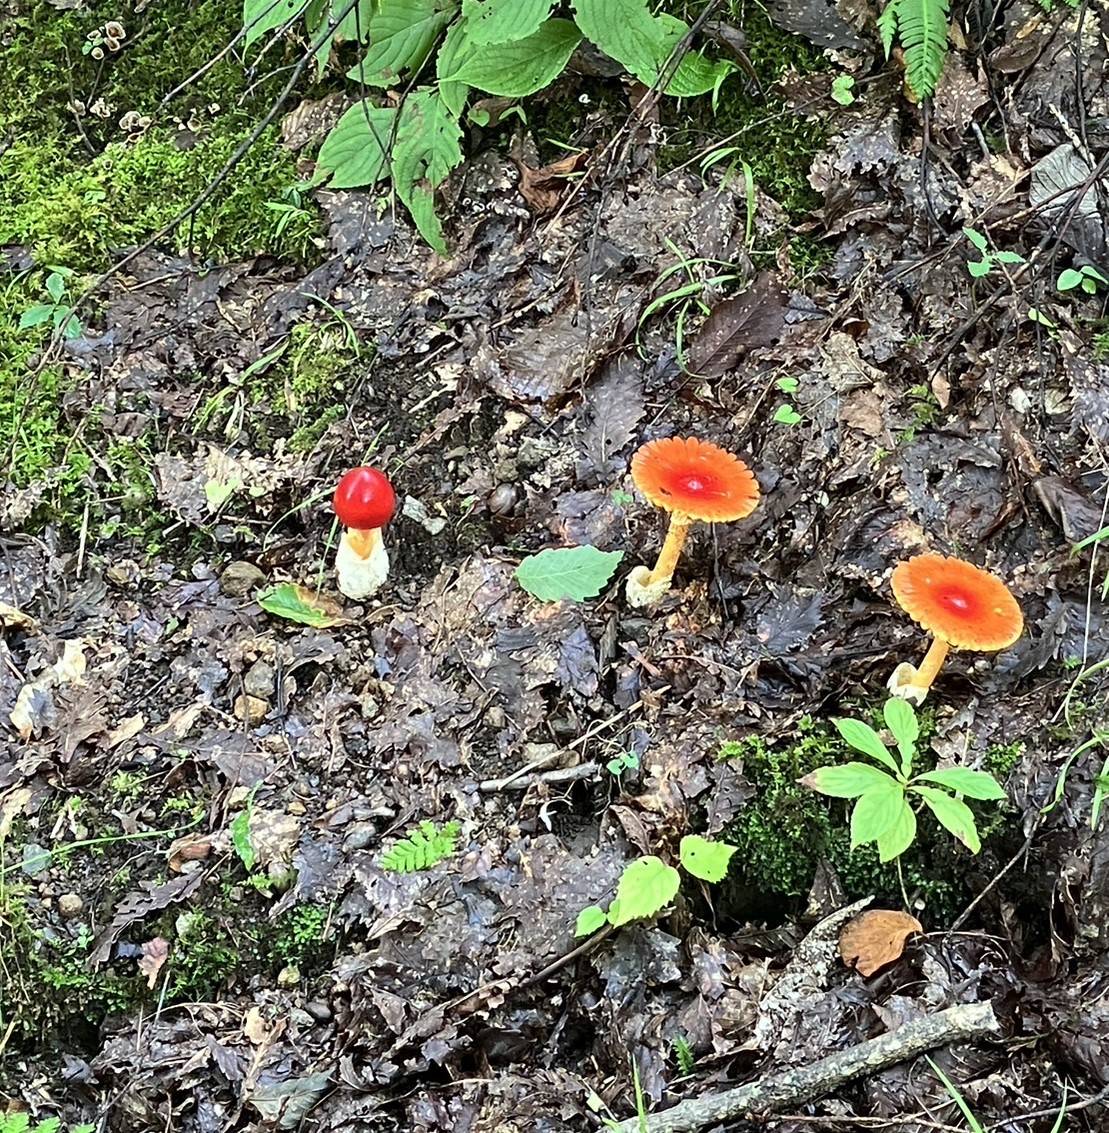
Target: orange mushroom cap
696 478
964 605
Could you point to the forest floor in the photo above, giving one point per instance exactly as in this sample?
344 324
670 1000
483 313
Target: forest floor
197 932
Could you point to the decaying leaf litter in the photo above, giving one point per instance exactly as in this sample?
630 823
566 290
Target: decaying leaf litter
190 780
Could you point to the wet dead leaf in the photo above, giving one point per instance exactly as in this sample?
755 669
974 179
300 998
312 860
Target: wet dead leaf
298 604
11 618
876 938
542 188
154 955
736 325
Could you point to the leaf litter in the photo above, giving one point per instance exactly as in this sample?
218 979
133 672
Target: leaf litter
510 385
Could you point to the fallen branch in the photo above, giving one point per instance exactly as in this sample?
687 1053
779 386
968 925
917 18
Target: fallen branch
803 1083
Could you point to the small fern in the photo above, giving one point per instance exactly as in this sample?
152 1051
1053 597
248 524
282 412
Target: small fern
683 1055
921 28
424 847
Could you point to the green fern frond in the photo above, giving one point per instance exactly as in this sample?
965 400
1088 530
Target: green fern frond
922 30
683 1054
424 847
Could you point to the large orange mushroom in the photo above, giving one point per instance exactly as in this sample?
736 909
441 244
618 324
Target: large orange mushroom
692 480
961 605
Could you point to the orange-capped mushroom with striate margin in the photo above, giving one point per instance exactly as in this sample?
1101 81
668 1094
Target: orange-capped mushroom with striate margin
693 480
961 605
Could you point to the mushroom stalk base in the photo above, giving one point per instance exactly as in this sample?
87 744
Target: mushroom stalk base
911 682
647 588
362 563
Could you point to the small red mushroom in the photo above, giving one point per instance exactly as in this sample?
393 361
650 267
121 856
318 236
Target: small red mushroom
364 502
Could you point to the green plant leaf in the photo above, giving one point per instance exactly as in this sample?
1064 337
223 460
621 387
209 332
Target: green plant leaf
523 66
899 837
626 31
787 415
1092 273
705 858
1008 257
401 34
1068 279
979 268
876 812
298 604
887 26
426 150
973 784
567 572
424 847
901 720
591 918
953 815
695 75
36 315
240 834
455 50
847 780
355 153
263 16
55 286
498 21
922 30
977 239
862 737
646 886
843 89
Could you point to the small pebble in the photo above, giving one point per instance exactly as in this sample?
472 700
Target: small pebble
259 680
250 709
239 578
295 806
502 499
318 1010
360 835
70 905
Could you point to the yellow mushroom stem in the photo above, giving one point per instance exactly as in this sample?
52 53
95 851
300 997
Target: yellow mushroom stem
363 542
929 668
671 549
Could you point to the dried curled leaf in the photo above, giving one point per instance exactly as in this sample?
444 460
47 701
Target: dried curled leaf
876 938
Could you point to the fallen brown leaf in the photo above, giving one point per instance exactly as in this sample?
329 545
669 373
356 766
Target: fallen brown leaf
876 938
154 955
542 188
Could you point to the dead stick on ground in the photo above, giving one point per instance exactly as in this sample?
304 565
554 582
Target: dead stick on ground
804 1083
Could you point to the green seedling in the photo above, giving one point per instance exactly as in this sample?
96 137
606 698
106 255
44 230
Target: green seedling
1087 277
57 312
648 884
625 761
884 812
843 89
988 258
786 413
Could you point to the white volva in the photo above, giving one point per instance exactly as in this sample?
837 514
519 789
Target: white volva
904 685
361 577
643 594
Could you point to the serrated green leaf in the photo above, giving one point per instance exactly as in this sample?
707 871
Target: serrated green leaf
523 66
401 34
953 815
646 887
626 31
355 153
695 75
887 26
973 784
55 286
705 858
425 846
846 781
591 918
1008 257
498 21
862 737
426 150
876 812
901 720
573 573
260 17
979 268
455 50
977 239
298 604
899 837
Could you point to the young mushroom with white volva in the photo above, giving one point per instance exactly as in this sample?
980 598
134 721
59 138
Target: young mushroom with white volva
364 502
692 480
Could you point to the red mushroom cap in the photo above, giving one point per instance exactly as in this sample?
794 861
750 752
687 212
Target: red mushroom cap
695 478
364 499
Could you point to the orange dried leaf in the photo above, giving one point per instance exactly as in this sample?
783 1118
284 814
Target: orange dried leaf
876 938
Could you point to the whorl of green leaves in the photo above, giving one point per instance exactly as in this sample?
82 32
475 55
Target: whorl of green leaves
424 847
